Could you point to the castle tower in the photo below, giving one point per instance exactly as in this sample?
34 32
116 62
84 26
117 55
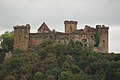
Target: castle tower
103 36
70 26
21 36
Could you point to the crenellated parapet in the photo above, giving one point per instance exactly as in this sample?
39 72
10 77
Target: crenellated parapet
27 26
70 22
70 26
102 27
96 37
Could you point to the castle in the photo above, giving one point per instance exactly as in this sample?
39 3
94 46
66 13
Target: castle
89 36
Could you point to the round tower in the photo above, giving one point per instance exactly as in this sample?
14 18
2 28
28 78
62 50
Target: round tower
21 36
70 26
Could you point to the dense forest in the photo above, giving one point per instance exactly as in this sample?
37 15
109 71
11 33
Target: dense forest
50 61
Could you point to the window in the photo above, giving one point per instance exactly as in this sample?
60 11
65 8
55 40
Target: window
51 37
59 41
103 41
91 36
84 40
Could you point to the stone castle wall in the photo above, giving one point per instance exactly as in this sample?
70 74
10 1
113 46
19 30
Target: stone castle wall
24 39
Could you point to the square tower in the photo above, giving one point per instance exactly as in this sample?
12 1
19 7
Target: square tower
70 26
21 36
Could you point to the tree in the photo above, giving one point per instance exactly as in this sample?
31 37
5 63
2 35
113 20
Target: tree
66 66
75 69
2 56
64 75
61 59
70 59
39 76
23 77
50 77
2 72
113 70
60 49
9 77
79 76
13 66
55 72
18 52
47 42
7 40
50 60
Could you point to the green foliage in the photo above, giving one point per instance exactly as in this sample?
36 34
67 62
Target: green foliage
39 76
79 76
75 69
64 75
61 59
50 77
9 77
71 61
47 42
60 49
18 52
97 39
66 66
11 67
7 40
55 72
2 56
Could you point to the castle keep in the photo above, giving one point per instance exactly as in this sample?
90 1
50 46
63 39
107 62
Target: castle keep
92 37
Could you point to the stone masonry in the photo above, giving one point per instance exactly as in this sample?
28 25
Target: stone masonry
89 36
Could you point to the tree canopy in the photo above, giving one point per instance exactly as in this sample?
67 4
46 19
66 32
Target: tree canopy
71 61
7 40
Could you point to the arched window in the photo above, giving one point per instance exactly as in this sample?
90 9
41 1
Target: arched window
84 40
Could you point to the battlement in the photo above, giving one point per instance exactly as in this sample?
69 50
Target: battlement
70 26
89 29
70 22
102 27
90 36
27 26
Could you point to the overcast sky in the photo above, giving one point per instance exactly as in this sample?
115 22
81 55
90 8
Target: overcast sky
54 12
